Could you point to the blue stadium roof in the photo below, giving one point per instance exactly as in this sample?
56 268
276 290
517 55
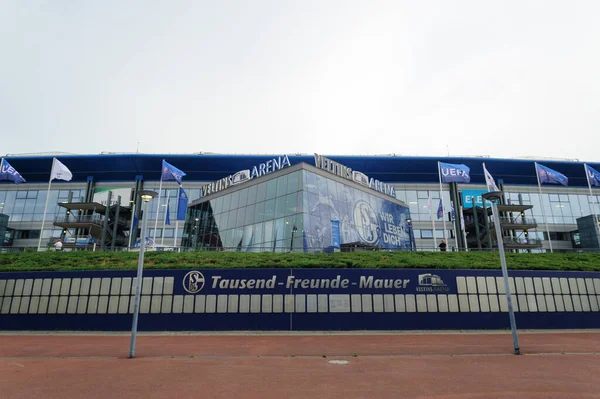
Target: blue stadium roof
210 167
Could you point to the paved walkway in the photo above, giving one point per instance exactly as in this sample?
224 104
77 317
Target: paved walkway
553 365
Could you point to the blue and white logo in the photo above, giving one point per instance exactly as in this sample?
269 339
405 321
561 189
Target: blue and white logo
366 222
240 176
193 282
360 178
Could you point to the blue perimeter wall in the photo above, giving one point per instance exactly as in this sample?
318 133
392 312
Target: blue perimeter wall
358 299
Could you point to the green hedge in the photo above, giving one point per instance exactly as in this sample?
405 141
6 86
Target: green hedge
64 261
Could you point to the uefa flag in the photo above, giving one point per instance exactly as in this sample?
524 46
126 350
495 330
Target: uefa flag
440 211
548 175
170 172
593 175
7 172
451 173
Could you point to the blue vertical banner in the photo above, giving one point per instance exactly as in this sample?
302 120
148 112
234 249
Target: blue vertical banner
182 203
168 217
335 233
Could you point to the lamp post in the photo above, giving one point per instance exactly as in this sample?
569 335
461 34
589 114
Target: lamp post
493 197
410 233
146 196
294 229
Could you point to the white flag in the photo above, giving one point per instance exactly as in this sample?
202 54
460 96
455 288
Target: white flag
489 180
60 171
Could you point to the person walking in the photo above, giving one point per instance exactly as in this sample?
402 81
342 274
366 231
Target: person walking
442 246
58 245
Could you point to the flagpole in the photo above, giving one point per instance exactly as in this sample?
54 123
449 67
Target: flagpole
443 204
587 176
157 206
162 235
46 206
542 205
131 227
176 228
462 227
432 221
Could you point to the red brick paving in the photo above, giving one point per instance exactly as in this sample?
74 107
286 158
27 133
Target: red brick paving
451 366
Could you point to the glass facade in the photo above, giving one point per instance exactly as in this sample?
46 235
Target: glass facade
294 212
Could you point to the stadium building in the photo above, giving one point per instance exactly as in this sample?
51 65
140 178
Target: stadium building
295 202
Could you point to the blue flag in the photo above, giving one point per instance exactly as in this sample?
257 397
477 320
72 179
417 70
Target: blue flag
452 212
168 217
135 221
182 202
548 175
335 233
593 175
170 172
440 211
7 172
452 173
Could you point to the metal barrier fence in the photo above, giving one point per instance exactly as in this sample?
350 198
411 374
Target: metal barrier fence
160 248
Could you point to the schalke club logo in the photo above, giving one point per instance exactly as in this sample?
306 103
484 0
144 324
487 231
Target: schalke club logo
365 220
193 282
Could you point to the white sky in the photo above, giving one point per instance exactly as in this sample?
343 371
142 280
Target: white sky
503 78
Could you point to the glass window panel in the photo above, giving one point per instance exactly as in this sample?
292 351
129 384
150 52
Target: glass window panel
422 194
257 230
169 233
27 217
282 185
32 194
280 207
299 201
313 201
411 198
310 181
232 219
226 202
269 209
261 192
271 188
252 194
234 200
241 217
563 197
250 211
243 198
21 194
291 203
29 206
259 212
268 235
293 184
321 185
554 198
426 234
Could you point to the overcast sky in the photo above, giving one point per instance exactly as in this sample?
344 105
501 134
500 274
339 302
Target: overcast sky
503 78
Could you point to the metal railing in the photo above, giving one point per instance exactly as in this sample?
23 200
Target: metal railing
522 241
96 219
517 220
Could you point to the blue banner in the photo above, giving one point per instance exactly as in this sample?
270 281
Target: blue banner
452 173
182 203
472 198
593 175
170 172
548 175
335 233
10 173
363 222
168 217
